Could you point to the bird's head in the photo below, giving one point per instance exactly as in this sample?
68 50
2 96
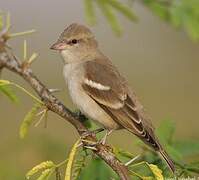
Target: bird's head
75 43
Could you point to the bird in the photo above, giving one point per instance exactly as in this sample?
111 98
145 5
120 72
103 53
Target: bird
98 89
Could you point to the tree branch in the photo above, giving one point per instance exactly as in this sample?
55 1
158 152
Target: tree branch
9 62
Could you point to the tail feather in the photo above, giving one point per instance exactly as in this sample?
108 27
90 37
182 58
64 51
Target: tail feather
168 160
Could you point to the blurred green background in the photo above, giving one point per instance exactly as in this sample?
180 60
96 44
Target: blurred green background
160 63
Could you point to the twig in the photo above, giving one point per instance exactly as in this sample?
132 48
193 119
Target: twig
8 61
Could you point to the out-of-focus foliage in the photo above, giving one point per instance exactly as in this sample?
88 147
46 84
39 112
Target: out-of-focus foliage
82 165
42 166
1 21
5 24
181 151
108 8
28 120
182 14
6 90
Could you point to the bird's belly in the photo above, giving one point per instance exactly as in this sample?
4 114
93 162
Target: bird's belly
89 107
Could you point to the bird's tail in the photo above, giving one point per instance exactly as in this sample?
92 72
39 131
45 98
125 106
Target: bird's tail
168 160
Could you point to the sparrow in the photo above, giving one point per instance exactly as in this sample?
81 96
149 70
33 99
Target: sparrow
98 89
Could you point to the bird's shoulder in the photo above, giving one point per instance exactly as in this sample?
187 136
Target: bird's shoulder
108 87
101 71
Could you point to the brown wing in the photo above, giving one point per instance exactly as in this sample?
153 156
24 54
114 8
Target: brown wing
118 101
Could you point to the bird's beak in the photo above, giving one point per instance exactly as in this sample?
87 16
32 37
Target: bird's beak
58 46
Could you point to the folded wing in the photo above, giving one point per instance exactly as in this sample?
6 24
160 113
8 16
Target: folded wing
104 84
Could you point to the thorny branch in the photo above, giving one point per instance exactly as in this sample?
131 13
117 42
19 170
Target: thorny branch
8 61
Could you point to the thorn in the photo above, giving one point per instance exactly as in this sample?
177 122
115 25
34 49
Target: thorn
132 160
41 118
25 50
21 33
41 112
32 58
39 121
80 144
103 140
8 22
54 90
46 119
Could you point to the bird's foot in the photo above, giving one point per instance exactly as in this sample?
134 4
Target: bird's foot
92 133
89 143
103 140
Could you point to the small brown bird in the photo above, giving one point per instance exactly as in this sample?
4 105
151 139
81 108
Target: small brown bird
99 90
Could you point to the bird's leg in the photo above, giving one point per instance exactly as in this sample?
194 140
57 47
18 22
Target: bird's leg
91 144
96 131
103 140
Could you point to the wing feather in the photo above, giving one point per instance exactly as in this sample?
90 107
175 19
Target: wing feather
120 103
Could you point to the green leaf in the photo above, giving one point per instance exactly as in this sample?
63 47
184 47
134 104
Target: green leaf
125 10
193 167
156 171
160 10
42 166
89 11
110 16
176 14
4 82
185 14
5 89
28 119
71 159
142 170
79 164
192 27
182 14
174 153
123 153
96 170
187 147
1 21
45 174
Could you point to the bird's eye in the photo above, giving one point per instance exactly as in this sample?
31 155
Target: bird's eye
74 41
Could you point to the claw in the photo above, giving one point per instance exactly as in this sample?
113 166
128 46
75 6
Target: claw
80 144
103 140
90 147
91 143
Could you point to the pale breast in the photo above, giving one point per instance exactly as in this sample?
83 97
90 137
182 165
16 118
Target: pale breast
74 76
